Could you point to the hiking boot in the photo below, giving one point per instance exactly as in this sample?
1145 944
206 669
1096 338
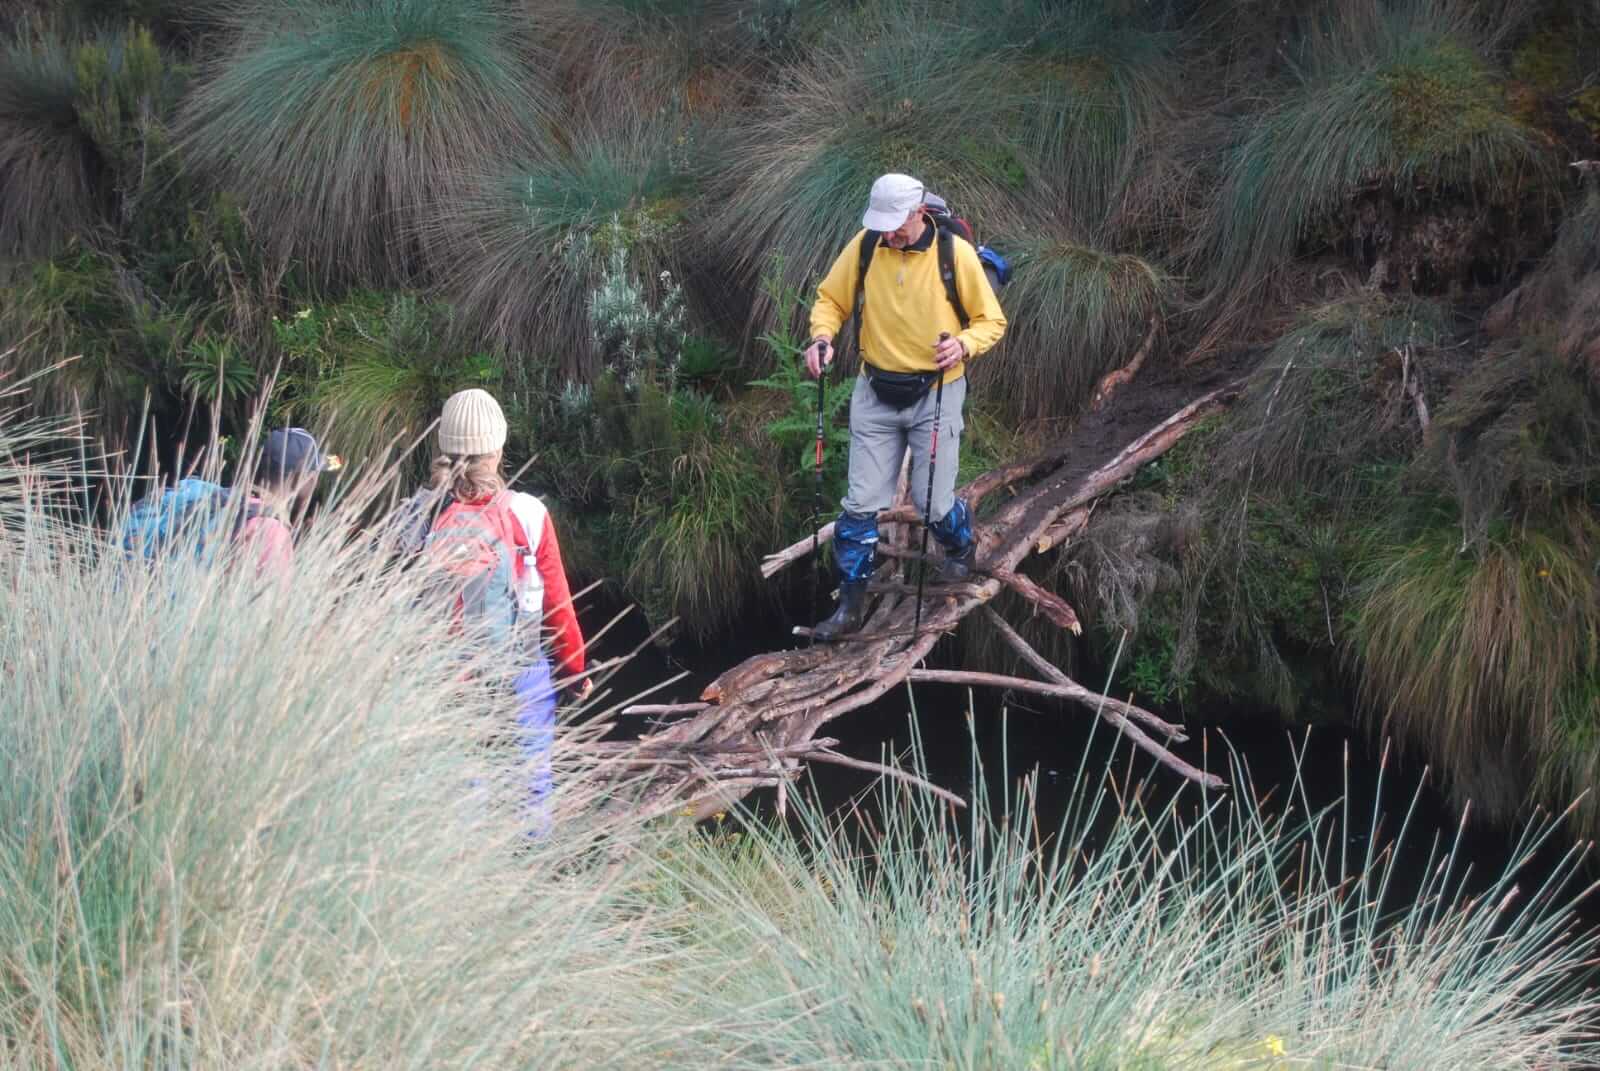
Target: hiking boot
847 618
957 568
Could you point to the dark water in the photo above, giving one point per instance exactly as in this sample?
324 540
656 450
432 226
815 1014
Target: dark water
1018 737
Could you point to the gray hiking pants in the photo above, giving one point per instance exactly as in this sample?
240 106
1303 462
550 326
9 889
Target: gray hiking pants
879 436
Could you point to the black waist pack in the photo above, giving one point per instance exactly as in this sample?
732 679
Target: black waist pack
899 390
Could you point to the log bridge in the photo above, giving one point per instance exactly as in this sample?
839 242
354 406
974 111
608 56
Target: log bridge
759 721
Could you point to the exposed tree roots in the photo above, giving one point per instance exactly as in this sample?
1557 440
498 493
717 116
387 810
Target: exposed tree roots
760 720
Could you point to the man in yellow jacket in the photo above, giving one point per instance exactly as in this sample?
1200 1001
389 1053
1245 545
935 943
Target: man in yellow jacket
923 315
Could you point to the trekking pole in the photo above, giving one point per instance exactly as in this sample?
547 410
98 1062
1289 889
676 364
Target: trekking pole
927 508
816 497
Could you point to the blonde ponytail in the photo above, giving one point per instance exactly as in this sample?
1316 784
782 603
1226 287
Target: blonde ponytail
468 478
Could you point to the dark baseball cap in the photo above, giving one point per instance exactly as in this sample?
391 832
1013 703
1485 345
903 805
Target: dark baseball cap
292 452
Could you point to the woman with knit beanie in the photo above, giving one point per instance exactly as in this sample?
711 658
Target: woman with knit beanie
467 483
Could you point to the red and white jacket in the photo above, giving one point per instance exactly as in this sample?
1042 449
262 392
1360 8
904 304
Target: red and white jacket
545 599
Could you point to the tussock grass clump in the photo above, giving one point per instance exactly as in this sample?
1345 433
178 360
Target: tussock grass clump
253 823
892 87
343 127
529 242
1330 401
1477 624
1490 658
1138 938
75 115
1091 87
1075 313
1033 122
1518 440
1394 99
49 169
1242 560
1562 296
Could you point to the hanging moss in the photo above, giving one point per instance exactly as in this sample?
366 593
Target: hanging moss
1442 98
1547 60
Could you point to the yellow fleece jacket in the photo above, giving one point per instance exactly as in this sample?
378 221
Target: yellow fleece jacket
906 307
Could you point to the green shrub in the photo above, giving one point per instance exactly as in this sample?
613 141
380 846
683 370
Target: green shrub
694 542
795 429
82 321
674 492
636 339
344 127
372 372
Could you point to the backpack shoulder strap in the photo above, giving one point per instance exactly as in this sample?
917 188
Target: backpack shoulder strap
869 246
947 274
248 511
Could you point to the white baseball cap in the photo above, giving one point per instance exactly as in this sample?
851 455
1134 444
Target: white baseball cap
893 199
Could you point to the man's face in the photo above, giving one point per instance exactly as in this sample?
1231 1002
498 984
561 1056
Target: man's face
907 233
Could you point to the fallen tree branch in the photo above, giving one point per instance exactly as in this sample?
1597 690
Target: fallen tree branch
1061 687
1052 605
783 698
664 708
1411 387
1111 381
1081 694
775 562
1105 705
827 755
1064 529
934 591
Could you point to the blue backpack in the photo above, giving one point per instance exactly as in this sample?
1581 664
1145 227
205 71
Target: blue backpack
196 508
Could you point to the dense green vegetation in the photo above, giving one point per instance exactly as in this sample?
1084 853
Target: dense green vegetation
609 213
262 824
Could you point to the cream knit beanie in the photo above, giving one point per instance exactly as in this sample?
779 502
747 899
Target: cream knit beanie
471 424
